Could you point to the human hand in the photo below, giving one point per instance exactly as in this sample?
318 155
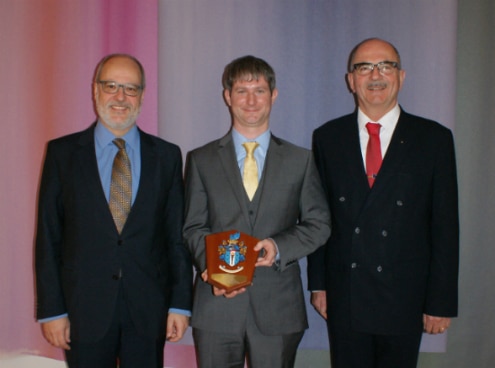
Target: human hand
222 292
269 253
435 325
176 326
319 302
57 332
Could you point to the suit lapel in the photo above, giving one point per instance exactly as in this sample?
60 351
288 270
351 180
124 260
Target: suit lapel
271 177
228 160
147 176
351 143
396 153
399 145
86 158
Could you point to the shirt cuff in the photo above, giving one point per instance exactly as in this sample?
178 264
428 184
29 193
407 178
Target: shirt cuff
49 319
184 312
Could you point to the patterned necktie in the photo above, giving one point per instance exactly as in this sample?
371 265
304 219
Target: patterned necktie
250 174
120 186
373 152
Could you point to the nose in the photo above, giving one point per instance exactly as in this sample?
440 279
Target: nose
375 72
251 98
119 95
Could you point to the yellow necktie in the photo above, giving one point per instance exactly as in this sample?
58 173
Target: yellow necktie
250 174
120 186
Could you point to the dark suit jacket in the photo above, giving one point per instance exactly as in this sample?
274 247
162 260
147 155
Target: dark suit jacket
291 210
393 253
79 252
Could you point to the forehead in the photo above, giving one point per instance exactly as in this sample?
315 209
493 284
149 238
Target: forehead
375 51
121 69
248 80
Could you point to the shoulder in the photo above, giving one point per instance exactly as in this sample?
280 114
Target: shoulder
212 147
160 145
73 141
288 147
423 124
428 133
336 125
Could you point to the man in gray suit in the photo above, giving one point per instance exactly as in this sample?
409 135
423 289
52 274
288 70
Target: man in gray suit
287 211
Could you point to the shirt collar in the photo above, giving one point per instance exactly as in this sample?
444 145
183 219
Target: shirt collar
387 121
263 141
104 137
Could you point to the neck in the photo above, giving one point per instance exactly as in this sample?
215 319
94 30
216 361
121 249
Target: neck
375 113
251 133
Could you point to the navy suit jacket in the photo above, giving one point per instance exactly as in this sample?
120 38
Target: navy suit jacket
79 253
393 253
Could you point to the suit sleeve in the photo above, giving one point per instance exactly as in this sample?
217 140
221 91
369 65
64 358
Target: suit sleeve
313 227
196 224
180 260
316 260
442 293
48 248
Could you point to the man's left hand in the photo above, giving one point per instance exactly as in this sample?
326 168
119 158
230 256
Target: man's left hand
435 325
176 326
270 252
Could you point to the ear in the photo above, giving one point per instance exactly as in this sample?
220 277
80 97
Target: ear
402 76
226 96
350 82
274 95
95 90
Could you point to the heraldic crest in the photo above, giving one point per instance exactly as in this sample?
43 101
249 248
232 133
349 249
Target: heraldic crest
230 259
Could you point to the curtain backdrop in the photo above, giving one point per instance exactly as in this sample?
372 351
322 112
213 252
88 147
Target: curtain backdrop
49 49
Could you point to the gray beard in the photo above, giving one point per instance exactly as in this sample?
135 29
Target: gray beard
105 117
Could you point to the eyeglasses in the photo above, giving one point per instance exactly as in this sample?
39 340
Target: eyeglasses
112 88
384 67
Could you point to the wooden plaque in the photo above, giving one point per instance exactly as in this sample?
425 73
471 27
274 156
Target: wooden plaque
230 259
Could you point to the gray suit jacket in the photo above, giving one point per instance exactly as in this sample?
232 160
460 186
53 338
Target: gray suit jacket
291 210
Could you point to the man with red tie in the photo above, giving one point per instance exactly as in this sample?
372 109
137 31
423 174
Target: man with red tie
389 269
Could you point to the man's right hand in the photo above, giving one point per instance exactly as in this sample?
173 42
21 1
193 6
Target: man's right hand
220 292
57 332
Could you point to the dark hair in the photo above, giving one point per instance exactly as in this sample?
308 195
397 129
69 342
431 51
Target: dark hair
354 50
247 68
103 61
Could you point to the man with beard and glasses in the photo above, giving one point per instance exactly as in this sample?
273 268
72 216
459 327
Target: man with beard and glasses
113 277
389 270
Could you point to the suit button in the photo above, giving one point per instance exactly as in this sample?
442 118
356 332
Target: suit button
120 242
357 230
353 265
399 203
342 199
384 233
379 269
115 277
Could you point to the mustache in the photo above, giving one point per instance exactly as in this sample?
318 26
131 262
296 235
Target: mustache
375 84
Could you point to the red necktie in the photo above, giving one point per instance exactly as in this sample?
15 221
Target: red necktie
373 152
